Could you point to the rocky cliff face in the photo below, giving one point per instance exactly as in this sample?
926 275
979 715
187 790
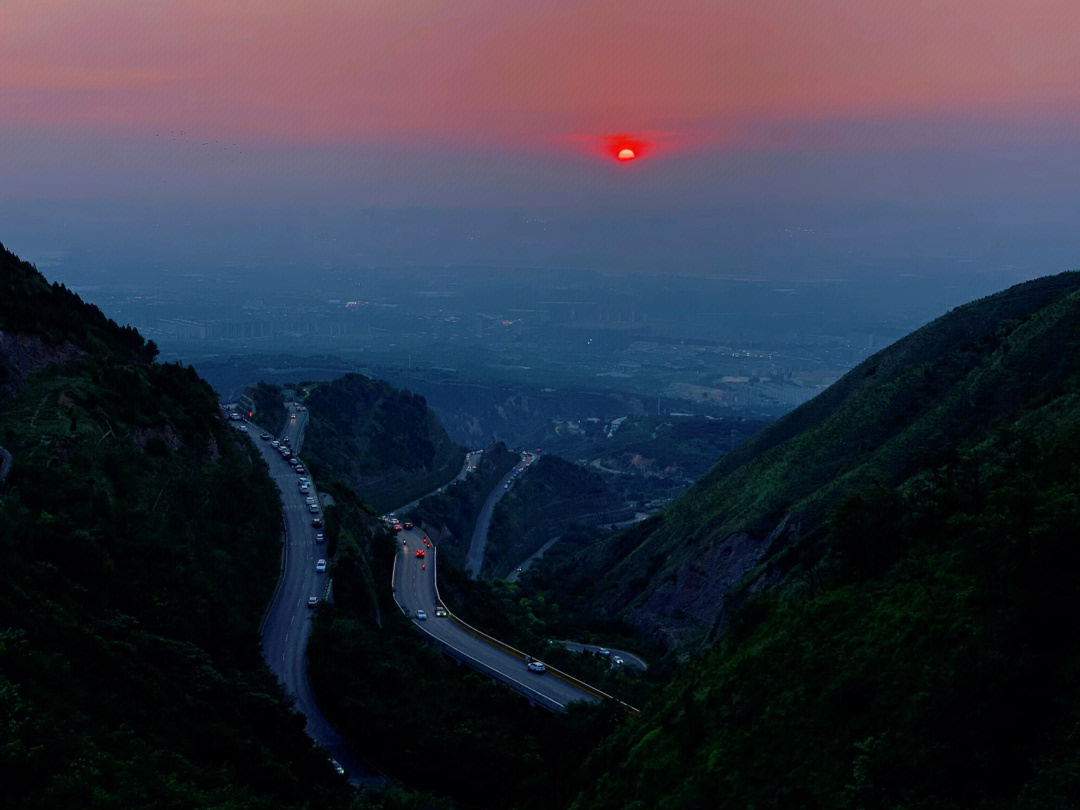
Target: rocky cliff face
21 355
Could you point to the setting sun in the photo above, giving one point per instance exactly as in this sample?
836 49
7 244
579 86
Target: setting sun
626 153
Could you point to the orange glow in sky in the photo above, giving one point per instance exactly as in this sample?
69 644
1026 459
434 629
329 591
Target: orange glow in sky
497 73
626 154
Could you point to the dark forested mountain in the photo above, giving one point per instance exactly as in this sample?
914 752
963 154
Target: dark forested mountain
888 576
140 544
914 407
385 442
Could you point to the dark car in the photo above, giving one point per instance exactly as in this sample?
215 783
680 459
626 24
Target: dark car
420 553
316 523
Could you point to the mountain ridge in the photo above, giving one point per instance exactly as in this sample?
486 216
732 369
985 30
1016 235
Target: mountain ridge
772 491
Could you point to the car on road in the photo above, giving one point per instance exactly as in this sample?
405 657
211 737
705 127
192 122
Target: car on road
440 611
420 552
305 488
275 443
313 508
616 661
312 601
316 523
264 436
319 538
243 429
310 499
320 566
421 615
397 527
603 652
300 469
536 666
408 525
337 767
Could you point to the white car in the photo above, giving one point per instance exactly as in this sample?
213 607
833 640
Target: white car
320 566
313 508
537 666
312 601
319 537
421 615
305 488
275 443
310 499
616 661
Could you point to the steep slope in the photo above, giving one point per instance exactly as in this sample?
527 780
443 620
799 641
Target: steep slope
383 441
140 541
914 646
904 410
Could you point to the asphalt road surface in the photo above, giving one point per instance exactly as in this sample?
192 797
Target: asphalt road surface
414 588
287 623
474 557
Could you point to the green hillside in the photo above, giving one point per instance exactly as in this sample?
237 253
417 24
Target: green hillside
903 411
385 442
905 637
141 539
552 495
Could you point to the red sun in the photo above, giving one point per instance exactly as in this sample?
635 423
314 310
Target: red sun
624 148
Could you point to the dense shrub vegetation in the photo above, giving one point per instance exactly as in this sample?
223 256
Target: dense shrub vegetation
900 412
913 644
140 540
543 504
383 441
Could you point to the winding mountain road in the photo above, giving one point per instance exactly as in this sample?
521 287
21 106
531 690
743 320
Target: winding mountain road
474 557
415 589
287 622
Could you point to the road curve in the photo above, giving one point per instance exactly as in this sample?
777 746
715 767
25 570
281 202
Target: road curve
474 557
628 657
414 588
287 622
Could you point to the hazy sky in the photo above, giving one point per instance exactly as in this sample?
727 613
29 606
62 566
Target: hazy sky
960 115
